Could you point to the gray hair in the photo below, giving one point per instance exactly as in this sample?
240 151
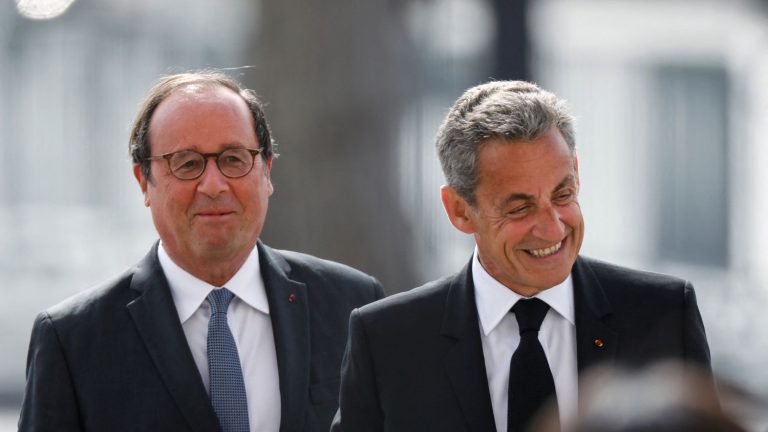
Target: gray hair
139 146
512 110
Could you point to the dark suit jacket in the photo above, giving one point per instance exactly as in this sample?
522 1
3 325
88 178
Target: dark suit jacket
414 361
115 358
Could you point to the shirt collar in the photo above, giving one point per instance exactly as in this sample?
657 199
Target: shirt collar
494 300
190 292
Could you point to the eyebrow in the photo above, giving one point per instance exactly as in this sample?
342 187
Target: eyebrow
569 179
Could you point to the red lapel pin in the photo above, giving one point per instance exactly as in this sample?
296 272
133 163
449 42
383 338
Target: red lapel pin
599 343
292 298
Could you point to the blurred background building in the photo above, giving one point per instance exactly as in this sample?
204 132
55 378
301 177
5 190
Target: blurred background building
671 99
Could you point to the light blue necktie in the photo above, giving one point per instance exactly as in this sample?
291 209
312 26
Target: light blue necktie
227 388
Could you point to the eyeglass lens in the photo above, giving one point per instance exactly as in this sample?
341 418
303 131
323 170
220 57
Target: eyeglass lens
232 163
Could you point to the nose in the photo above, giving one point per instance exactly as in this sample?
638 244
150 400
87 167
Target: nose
548 225
212 182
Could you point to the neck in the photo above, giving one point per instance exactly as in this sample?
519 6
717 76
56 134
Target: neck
215 270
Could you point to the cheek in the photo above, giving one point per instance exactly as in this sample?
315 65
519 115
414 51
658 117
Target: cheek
572 215
512 233
173 200
252 199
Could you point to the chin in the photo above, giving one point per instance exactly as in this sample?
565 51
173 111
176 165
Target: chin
549 280
215 248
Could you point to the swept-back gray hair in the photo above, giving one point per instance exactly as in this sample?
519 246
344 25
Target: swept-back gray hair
512 110
138 144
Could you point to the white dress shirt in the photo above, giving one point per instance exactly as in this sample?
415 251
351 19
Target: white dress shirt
251 327
500 336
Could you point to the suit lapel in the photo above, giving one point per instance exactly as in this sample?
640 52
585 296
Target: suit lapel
157 321
464 361
596 341
289 312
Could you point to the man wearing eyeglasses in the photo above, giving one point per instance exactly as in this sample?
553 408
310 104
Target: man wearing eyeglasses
212 330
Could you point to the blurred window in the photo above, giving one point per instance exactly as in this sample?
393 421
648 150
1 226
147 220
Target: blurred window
692 164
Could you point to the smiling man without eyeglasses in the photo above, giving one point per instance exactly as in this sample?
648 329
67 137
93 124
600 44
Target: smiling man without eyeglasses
486 348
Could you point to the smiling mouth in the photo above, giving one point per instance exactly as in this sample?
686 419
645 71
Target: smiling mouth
215 213
541 253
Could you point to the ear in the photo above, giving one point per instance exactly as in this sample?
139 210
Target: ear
267 175
459 211
142 183
576 166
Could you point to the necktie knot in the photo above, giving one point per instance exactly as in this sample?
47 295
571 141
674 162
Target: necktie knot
529 314
219 300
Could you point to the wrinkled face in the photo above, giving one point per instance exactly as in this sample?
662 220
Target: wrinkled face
527 221
211 217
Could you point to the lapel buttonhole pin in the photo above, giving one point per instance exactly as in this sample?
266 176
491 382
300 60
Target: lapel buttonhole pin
599 343
291 298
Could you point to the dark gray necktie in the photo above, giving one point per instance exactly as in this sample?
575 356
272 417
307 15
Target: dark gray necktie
227 388
530 379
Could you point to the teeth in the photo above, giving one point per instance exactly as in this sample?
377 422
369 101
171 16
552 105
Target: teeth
540 253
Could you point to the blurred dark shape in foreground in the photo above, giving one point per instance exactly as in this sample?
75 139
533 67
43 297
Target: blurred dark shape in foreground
665 397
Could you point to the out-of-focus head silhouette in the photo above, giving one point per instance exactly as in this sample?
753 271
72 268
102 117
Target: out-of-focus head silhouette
665 397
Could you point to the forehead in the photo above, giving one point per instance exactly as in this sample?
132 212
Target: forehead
196 114
524 167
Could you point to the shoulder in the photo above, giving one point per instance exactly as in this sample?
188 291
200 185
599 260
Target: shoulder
623 285
431 293
304 264
93 305
615 273
335 279
418 305
103 300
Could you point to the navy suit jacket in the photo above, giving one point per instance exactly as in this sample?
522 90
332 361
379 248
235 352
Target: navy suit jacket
115 358
414 361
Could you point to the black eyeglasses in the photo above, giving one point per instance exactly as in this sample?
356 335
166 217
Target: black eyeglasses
189 164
